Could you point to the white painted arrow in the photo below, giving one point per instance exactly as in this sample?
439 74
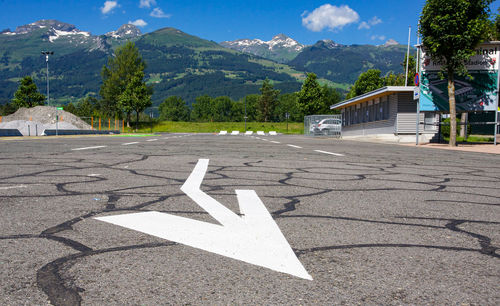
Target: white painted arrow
253 238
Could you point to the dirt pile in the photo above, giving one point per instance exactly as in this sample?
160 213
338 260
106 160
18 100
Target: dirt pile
36 119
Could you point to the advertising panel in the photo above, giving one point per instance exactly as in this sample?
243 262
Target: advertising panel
477 92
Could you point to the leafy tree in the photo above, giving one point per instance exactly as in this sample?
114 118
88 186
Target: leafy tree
71 108
202 109
251 101
411 72
493 32
451 30
267 101
497 25
27 94
287 103
88 107
366 82
174 109
310 96
392 79
7 109
237 111
329 97
221 109
124 65
136 96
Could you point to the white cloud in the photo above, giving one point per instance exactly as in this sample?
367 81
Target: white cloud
158 13
367 25
147 3
139 23
374 21
363 25
378 37
109 6
329 16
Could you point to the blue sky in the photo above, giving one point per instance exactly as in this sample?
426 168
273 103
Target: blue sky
346 22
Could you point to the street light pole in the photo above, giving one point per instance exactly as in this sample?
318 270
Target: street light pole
47 53
245 114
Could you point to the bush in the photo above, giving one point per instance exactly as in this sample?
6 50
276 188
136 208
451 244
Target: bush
445 129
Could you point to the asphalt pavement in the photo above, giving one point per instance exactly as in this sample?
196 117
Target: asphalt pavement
369 223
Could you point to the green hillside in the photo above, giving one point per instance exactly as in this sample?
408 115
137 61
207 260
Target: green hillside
177 64
343 64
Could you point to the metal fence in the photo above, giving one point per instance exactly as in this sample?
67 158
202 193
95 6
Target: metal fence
104 124
323 125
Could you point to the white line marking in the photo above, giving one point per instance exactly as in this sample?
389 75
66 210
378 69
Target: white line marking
13 187
253 238
129 143
294 146
152 140
326 152
88 148
275 141
93 174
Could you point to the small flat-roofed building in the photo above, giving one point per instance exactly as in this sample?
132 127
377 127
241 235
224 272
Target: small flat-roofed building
389 112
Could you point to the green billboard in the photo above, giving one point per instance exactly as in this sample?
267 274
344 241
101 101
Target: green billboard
477 91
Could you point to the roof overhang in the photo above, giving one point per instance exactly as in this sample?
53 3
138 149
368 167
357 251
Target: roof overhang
384 91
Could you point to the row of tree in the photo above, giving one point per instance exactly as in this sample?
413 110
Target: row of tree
267 106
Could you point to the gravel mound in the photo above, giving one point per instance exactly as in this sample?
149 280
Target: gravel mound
29 121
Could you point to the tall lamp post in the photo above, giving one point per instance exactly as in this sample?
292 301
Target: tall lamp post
47 53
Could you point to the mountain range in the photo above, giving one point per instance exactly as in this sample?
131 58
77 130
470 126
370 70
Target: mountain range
178 63
280 49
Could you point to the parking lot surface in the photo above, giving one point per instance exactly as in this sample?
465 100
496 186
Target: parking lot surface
369 223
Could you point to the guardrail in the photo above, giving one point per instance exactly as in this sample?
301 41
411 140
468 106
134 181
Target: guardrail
52 132
10 133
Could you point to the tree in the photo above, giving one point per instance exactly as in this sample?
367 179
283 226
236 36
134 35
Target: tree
71 108
202 109
221 109
494 27
329 96
27 94
267 101
251 101
174 109
451 30
287 103
310 96
88 107
411 72
125 64
366 82
136 96
7 109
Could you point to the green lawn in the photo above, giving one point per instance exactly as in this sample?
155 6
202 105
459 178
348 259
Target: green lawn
473 138
215 127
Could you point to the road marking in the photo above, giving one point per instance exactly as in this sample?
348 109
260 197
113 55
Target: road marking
129 143
275 141
93 174
152 140
294 146
331 153
88 148
13 187
265 139
253 238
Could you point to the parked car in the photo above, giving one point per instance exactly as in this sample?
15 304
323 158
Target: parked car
325 126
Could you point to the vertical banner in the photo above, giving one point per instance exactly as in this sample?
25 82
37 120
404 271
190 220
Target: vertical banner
476 92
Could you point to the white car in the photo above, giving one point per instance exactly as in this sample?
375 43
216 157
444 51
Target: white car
326 125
